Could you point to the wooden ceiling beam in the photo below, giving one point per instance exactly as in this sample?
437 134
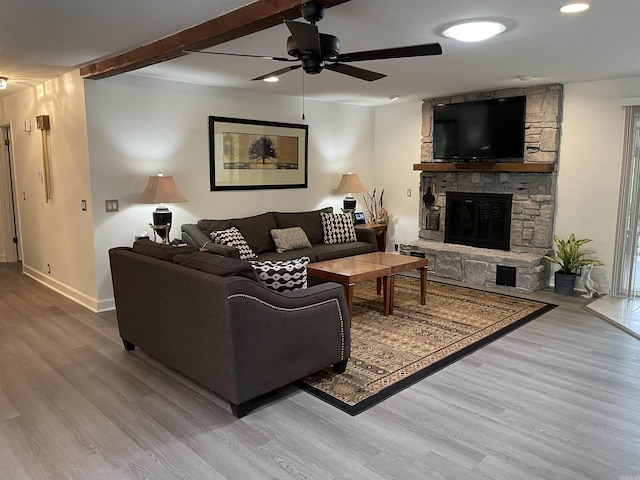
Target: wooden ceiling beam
252 18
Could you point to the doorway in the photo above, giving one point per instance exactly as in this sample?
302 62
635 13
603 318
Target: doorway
9 214
626 268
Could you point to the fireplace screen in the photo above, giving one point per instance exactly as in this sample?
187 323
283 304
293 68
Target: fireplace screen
478 220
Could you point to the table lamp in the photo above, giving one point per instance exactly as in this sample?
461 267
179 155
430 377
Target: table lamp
350 183
161 189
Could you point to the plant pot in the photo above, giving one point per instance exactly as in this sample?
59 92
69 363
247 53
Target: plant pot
564 283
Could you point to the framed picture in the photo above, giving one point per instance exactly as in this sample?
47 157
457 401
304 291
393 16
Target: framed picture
254 154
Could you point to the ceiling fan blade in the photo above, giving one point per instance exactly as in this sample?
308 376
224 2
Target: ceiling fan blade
306 36
277 73
398 52
360 73
266 57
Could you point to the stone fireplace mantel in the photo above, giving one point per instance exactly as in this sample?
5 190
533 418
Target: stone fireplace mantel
485 167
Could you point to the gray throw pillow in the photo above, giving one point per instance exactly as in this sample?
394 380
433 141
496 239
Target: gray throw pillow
287 239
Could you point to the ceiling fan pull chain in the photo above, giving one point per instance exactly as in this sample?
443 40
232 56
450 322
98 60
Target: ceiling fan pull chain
302 95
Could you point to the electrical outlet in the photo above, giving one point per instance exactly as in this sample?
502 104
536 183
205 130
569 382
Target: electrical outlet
396 247
83 205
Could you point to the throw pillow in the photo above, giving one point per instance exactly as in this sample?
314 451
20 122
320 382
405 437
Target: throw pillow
282 276
290 239
338 227
234 238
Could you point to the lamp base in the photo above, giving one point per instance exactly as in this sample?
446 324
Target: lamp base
349 203
162 223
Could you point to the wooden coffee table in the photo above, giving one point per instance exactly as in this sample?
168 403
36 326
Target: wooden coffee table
381 266
398 263
348 271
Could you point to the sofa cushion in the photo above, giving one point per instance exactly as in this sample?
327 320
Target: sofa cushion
282 276
254 229
310 222
216 264
158 250
234 238
338 228
292 238
339 250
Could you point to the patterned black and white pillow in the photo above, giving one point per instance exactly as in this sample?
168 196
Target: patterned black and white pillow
234 238
282 276
337 227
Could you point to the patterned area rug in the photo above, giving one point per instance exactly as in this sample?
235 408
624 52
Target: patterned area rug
391 353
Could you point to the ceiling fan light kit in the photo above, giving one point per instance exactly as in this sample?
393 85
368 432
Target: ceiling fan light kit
314 51
474 30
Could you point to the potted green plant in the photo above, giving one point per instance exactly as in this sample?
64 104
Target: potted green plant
570 256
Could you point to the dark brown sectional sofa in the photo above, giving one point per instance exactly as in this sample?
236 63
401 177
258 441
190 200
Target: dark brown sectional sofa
256 231
214 323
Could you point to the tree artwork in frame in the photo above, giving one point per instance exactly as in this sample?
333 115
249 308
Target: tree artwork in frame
254 154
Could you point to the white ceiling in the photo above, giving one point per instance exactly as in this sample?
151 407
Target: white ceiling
40 39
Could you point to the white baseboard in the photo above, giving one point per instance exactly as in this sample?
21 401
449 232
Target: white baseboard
69 292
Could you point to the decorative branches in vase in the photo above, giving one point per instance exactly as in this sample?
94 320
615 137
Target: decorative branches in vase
376 213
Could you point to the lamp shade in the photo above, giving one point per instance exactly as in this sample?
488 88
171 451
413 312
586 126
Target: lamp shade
161 189
350 183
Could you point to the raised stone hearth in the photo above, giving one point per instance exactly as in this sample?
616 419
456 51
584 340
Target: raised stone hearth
479 265
533 190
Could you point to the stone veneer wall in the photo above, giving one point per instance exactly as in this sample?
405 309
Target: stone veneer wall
533 196
531 210
543 118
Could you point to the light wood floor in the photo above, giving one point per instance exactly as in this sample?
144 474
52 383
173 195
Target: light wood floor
556 399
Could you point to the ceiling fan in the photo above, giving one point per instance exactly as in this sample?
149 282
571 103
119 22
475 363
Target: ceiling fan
318 51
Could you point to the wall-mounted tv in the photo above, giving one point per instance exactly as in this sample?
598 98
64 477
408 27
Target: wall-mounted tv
480 130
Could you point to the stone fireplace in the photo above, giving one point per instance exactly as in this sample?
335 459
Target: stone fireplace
530 184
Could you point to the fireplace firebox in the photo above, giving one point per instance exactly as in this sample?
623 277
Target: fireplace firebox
478 219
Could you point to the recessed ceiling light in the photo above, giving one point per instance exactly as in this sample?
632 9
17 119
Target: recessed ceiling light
475 30
574 7
3 83
394 97
525 78
271 79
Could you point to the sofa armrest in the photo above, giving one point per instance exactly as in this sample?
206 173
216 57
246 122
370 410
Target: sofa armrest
194 236
279 337
367 235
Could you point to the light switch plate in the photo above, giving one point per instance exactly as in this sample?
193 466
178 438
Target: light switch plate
111 206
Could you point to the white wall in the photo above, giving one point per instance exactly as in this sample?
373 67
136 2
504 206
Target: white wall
397 148
590 165
139 126
56 233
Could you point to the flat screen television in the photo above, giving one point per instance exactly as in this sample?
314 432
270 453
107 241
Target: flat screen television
480 130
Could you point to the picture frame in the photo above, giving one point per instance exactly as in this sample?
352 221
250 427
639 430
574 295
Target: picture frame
254 154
